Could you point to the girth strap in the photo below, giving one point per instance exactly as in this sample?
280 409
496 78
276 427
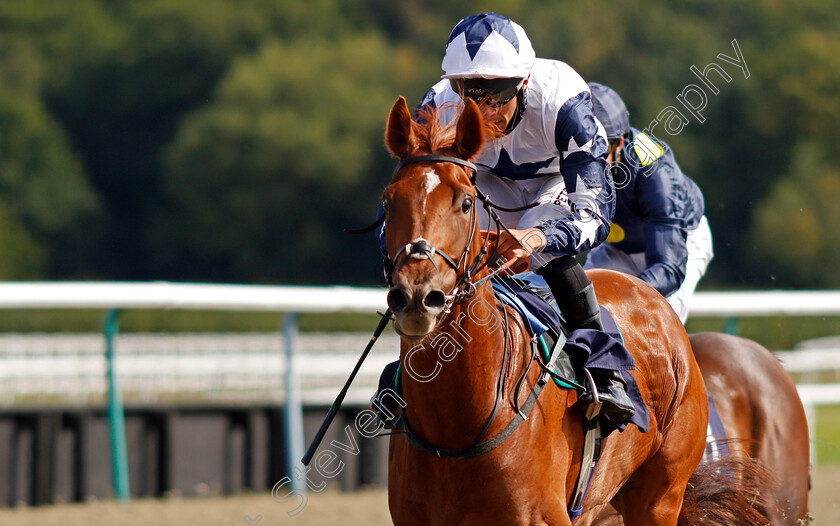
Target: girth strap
484 447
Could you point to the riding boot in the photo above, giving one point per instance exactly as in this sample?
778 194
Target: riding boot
386 403
575 295
612 401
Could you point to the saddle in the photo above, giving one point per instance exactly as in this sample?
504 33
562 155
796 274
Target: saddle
579 349
717 446
571 353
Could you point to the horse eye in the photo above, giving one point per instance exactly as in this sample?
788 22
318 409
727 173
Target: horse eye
466 205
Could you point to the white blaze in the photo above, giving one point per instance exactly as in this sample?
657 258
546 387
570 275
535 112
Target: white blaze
431 182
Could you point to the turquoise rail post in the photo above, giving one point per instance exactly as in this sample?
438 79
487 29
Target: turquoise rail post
731 326
116 412
294 407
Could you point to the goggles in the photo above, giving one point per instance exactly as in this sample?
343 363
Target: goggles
499 91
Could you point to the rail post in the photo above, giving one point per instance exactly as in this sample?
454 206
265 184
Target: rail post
116 411
731 326
294 409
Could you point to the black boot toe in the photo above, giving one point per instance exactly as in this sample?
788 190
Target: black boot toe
615 406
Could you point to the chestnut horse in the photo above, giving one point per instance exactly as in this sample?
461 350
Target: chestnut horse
464 353
762 414
763 418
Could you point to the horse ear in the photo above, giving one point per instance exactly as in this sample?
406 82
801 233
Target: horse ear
399 136
469 136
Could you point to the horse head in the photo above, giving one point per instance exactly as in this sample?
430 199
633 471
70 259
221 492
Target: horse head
431 222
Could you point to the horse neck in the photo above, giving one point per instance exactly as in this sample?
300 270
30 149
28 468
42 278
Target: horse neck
450 380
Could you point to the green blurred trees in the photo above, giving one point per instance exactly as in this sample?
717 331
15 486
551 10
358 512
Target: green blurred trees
797 228
231 141
261 180
45 200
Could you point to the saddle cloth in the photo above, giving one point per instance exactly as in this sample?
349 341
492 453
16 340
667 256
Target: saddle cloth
716 443
585 348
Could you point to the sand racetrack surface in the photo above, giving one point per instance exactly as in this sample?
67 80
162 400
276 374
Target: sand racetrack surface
331 508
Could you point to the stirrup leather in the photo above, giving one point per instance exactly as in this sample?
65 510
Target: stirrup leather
593 408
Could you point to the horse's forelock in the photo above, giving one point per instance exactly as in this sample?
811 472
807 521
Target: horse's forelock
437 137
433 135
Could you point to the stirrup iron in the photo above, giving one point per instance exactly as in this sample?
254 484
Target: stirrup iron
593 409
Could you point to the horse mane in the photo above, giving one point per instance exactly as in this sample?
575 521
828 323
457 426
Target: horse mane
438 137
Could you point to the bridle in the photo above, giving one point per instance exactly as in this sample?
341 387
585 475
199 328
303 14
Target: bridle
422 249
419 248
464 288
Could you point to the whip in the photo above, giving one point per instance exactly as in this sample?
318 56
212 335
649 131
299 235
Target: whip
319 436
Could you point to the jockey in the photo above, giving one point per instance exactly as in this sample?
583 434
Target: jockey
659 232
553 152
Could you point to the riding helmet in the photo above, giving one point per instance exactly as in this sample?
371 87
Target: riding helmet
610 110
488 45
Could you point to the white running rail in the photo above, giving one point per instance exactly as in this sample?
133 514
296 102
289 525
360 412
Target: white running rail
291 299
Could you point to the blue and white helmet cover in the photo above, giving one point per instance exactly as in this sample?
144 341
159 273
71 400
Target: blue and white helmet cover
487 45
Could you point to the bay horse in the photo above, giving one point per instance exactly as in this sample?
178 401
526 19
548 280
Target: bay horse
464 353
763 418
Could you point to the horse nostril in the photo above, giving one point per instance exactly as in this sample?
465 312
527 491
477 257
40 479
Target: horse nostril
435 300
397 300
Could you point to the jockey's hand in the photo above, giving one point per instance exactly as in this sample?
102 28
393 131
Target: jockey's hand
516 246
